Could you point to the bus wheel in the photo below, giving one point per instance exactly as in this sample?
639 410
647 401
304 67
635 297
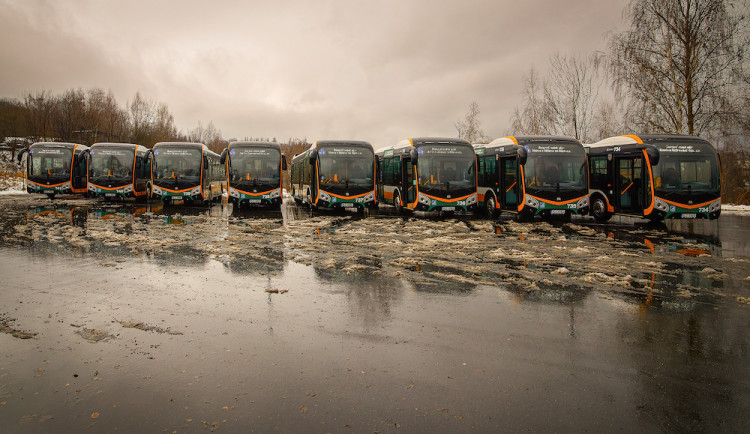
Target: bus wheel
491 207
599 210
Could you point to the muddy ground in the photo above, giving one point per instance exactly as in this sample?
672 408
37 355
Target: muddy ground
136 317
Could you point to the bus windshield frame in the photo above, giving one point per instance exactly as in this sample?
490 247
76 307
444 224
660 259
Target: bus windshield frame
111 163
555 168
255 165
686 169
177 163
346 166
446 169
50 162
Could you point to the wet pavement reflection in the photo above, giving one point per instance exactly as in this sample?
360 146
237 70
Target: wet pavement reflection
144 317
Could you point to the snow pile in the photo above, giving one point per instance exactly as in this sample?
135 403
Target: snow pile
11 179
736 209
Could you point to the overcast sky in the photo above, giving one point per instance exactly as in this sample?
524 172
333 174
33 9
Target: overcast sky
370 70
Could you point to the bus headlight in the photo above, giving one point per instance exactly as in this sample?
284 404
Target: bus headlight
128 189
275 194
157 190
65 186
661 205
715 206
92 188
583 203
195 192
424 200
369 197
324 196
234 193
471 200
531 202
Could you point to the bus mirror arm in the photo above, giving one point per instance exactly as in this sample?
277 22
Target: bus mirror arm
313 156
21 153
522 156
414 156
223 158
283 162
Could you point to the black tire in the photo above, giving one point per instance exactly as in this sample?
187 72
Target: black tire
491 207
599 209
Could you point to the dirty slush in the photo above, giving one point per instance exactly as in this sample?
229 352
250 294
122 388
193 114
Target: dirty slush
142 318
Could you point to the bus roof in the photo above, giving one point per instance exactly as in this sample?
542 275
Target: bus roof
259 144
417 141
341 142
632 139
116 145
58 144
523 140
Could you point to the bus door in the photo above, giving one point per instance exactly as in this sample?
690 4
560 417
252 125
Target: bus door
510 183
313 180
629 171
409 181
79 171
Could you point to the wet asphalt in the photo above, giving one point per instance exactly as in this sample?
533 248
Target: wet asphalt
139 318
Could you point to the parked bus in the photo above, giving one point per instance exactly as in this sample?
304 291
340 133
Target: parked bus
55 168
533 175
654 176
119 170
335 174
187 172
428 174
254 172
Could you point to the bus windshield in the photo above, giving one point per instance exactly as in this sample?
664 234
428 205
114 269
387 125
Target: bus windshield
177 163
686 168
445 168
257 164
111 163
555 166
346 165
50 162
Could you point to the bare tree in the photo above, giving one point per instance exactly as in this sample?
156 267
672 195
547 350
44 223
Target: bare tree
571 94
470 128
535 115
40 107
677 58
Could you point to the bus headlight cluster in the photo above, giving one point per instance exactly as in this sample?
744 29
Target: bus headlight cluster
424 200
275 194
325 196
92 188
234 193
195 192
65 186
157 190
471 200
128 189
369 197
531 202
583 203
661 205
715 206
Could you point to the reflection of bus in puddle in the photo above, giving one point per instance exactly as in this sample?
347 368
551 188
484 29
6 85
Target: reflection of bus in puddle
74 215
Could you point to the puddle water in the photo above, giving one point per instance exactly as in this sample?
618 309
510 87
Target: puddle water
207 318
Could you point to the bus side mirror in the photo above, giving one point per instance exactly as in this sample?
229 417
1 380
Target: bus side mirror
223 158
283 162
413 156
313 155
522 156
21 154
653 154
